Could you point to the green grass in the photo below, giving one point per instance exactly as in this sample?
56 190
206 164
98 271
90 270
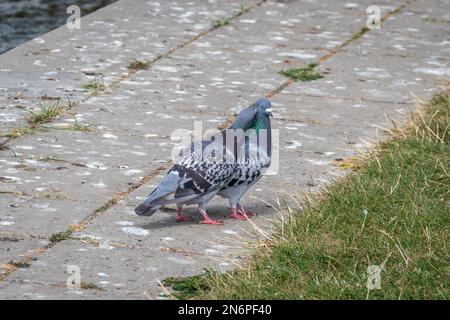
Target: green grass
186 288
19 264
242 9
76 126
61 236
302 74
435 20
360 33
138 65
393 212
94 87
47 113
107 205
17 132
223 22
90 286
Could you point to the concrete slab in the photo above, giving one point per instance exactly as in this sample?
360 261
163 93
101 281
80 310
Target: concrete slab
40 217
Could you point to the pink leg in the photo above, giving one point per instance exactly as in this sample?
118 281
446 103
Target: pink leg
236 215
180 217
207 219
243 212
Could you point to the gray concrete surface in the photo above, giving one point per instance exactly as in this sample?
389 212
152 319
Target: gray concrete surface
54 178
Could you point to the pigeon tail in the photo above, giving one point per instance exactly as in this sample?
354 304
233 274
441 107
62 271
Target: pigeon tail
155 199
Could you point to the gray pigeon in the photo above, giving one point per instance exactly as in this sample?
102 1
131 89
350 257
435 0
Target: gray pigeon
257 158
197 178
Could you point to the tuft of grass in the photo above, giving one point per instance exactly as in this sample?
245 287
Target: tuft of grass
435 20
53 195
107 205
20 264
360 33
188 287
223 22
302 74
15 193
242 9
47 113
393 212
17 132
78 126
94 87
138 65
90 286
63 235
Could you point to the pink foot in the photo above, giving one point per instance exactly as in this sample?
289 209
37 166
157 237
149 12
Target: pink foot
241 211
236 215
181 218
207 219
210 221
249 213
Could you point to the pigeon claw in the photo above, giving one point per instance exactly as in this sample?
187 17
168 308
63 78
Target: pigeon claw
248 213
184 218
211 221
237 216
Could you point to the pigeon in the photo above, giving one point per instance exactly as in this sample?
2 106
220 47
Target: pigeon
257 158
198 175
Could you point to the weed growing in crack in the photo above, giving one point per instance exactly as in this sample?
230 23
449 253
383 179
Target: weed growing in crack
47 113
61 236
302 74
223 22
94 87
138 65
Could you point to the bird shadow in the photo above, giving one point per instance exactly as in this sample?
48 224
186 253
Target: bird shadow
215 212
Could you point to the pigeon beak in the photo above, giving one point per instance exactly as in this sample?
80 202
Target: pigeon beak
269 112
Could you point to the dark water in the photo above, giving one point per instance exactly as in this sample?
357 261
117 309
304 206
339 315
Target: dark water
22 20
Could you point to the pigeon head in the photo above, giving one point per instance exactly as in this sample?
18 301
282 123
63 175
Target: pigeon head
247 118
263 112
263 106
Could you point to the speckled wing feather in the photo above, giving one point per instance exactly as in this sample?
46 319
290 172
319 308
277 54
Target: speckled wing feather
248 172
190 178
201 176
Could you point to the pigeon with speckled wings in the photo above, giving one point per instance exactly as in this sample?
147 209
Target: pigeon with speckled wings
196 178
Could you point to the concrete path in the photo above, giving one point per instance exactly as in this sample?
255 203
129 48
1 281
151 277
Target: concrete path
57 178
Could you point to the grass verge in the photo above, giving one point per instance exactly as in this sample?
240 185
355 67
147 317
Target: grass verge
391 218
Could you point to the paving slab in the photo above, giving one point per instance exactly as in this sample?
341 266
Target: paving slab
16 248
39 217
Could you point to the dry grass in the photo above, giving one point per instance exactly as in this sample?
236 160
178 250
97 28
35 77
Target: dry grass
393 212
